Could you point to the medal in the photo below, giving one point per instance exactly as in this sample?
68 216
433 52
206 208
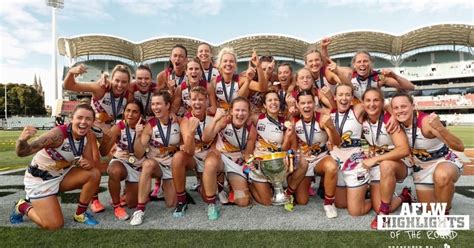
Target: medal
75 162
130 142
132 159
77 152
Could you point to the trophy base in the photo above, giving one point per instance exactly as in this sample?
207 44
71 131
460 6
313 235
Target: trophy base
279 197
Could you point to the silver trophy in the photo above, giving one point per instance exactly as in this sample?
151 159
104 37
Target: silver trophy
273 168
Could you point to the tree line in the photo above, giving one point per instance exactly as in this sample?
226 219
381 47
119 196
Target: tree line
22 99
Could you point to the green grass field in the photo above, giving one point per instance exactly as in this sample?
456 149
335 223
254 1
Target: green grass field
9 160
34 237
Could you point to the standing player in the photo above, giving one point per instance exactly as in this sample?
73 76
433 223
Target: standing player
204 53
229 85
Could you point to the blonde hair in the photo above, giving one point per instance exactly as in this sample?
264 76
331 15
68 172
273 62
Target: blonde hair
124 69
222 52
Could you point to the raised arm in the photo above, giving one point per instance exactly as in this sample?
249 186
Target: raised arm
396 81
433 125
71 84
326 123
53 138
344 73
211 92
142 139
188 131
177 101
218 123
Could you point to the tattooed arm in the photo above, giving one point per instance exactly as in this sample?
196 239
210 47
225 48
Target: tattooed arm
53 138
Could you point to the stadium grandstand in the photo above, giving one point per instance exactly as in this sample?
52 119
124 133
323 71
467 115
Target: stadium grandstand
438 59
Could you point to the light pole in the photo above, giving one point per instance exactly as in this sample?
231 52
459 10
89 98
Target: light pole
55 4
6 115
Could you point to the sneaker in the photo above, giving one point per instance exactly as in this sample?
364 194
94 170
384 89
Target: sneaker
137 218
290 205
230 198
16 217
373 224
120 213
96 206
223 197
180 209
330 210
157 194
212 212
86 218
406 195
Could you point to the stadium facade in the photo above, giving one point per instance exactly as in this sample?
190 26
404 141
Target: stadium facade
438 59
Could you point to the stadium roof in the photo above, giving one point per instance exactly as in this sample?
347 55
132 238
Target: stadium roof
271 44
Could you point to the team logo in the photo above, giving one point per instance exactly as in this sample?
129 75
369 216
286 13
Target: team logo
365 131
228 132
299 130
219 91
66 147
106 101
261 127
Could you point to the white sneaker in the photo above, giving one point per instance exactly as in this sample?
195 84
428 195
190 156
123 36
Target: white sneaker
223 197
331 211
137 218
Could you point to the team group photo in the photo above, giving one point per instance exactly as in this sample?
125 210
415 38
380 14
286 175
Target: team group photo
261 132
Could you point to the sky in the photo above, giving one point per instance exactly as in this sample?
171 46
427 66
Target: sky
26 33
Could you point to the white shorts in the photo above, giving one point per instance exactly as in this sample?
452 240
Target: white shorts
37 188
425 175
165 167
199 164
133 172
351 173
374 172
232 167
312 163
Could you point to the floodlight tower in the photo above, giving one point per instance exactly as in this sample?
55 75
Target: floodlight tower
55 4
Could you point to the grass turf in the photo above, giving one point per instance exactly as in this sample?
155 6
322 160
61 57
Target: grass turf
10 160
13 237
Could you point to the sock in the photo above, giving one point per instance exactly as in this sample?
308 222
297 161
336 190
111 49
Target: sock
115 205
384 208
210 199
81 208
24 208
141 206
95 198
181 197
329 200
289 191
